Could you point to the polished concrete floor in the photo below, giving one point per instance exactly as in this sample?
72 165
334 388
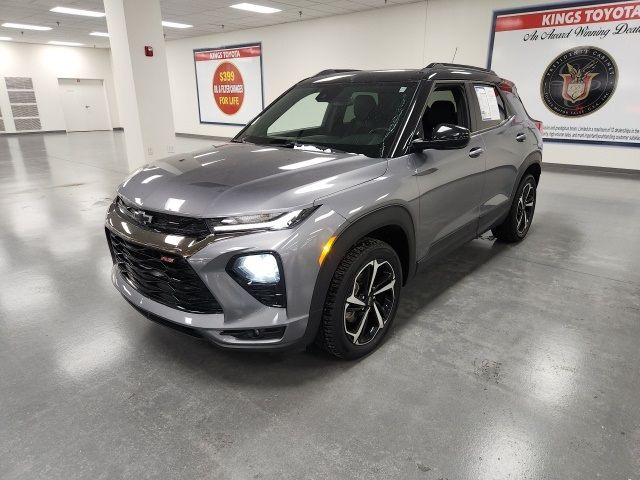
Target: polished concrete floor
506 362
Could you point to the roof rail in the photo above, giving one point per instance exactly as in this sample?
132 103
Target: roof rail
459 65
335 70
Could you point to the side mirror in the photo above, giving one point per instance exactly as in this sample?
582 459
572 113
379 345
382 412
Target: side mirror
445 137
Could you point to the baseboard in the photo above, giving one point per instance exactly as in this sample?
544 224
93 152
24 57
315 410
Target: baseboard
33 132
565 167
40 132
204 137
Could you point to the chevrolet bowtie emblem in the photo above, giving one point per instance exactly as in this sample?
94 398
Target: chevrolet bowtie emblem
142 217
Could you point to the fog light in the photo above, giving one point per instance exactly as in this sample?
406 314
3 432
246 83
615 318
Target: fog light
260 274
262 268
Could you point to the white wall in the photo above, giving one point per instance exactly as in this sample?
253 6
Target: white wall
293 51
404 36
45 64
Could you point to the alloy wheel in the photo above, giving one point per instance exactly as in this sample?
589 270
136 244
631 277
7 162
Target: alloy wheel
368 309
524 210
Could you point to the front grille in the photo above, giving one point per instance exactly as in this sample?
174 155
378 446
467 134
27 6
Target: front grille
163 277
164 222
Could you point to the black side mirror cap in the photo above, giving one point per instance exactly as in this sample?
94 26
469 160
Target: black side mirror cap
445 137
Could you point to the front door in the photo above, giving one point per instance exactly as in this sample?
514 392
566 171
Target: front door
450 181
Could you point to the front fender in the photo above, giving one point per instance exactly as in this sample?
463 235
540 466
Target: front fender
348 236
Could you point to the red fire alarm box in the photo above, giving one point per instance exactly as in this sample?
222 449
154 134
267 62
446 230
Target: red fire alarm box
148 51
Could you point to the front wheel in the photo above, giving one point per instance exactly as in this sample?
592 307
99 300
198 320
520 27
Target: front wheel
517 224
361 301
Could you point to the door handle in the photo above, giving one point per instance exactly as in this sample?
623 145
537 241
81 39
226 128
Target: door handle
521 137
476 152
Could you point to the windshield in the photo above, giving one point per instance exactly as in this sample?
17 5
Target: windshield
356 118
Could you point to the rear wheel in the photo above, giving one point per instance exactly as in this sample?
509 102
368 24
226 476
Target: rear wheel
517 224
361 301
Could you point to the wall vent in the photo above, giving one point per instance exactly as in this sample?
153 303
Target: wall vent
24 106
21 111
22 96
19 83
23 124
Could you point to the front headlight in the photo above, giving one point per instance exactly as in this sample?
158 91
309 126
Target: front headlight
262 221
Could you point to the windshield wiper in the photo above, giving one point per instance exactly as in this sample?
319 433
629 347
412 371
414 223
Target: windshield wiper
242 140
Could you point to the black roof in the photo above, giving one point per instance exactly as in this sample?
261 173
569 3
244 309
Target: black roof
433 71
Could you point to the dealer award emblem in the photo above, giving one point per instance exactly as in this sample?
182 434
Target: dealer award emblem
579 81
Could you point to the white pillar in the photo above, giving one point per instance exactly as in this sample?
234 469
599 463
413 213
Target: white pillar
141 82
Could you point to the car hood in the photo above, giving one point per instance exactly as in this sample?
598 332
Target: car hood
234 179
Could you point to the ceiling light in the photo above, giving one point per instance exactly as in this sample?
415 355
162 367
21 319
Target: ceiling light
255 8
175 25
77 11
5 38
99 34
66 44
24 26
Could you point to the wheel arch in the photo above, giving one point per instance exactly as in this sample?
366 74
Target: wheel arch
534 169
532 164
391 224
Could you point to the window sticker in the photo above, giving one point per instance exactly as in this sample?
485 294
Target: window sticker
488 102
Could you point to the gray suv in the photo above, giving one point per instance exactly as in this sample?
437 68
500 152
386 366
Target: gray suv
305 227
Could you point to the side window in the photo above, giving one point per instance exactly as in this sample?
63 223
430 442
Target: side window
491 107
306 113
445 104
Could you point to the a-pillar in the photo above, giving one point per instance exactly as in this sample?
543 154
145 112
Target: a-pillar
141 81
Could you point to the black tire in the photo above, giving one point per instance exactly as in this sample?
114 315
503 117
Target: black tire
339 334
517 224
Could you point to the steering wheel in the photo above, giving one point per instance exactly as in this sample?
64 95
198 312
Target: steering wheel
378 130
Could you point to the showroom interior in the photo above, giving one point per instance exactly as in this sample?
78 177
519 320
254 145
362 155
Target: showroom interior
505 360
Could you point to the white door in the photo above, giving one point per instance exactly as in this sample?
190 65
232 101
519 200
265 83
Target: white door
84 104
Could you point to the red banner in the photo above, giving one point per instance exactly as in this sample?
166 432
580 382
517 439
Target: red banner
613 12
227 54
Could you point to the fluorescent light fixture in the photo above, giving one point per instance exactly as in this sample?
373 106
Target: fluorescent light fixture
251 7
77 11
175 24
99 34
5 38
65 44
24 26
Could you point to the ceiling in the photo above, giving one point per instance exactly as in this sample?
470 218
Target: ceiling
206 16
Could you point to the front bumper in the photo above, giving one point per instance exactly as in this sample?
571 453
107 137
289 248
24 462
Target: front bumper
298 250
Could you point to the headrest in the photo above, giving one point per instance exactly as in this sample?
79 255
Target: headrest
363 106
443 109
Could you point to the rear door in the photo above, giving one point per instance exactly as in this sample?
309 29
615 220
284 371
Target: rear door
505 139
450 181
